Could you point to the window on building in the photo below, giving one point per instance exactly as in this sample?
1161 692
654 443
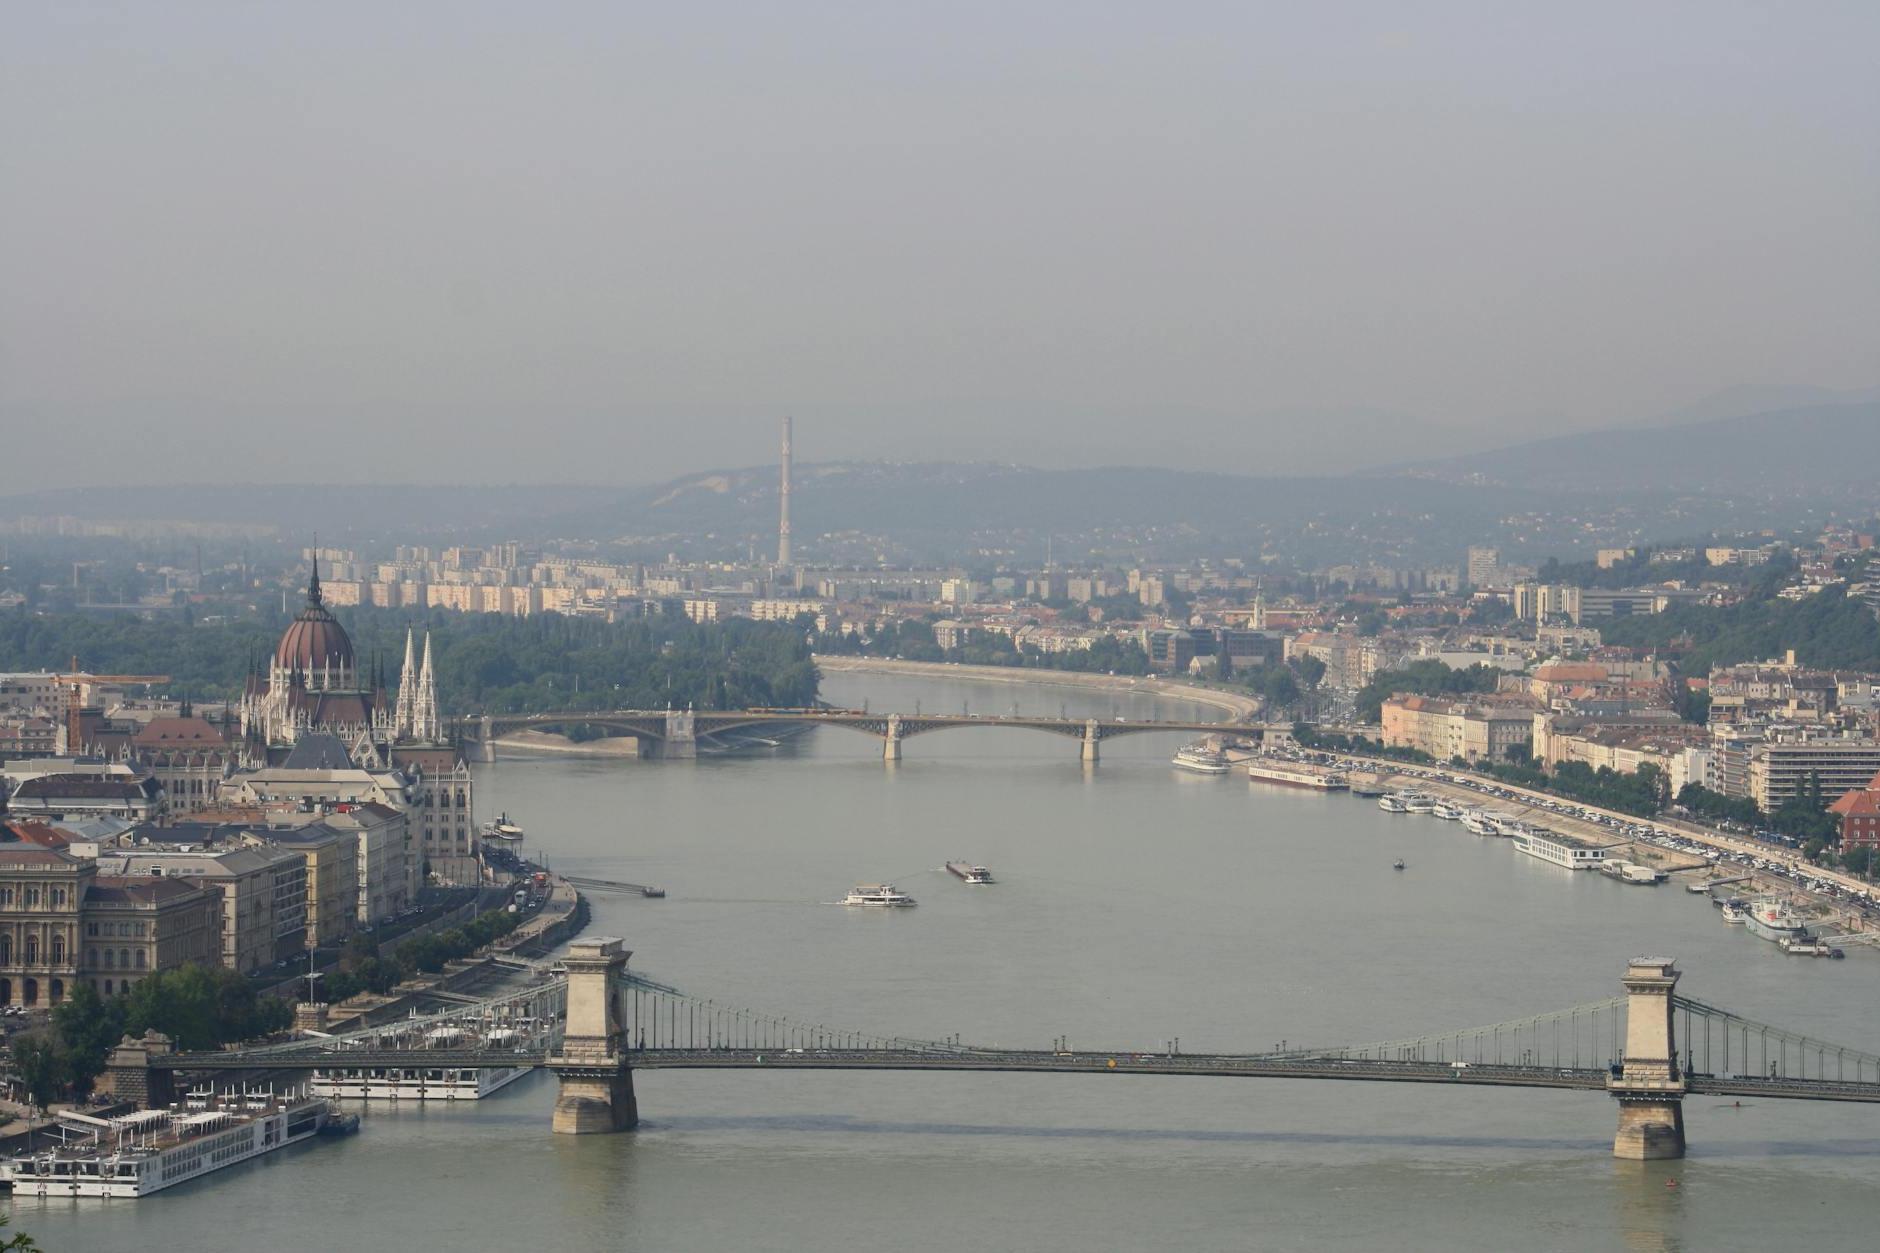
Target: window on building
6 950
140 959
124 958
110 958
58 949
32 950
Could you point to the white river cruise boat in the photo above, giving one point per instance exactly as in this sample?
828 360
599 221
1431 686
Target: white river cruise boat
420 1079
1294 776
1392 804
1561 850
414 1083
136 1154
1200 759
877 896
1479 823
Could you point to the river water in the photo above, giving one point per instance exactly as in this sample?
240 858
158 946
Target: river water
1134 904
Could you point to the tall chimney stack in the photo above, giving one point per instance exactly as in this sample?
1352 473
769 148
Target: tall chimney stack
783 526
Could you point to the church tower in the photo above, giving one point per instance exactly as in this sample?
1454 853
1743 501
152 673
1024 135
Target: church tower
424 720
404 716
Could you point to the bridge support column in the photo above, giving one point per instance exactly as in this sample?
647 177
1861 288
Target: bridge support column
596 1083
891 740
129 1076
1648 1086
486 739
681 742
1092 735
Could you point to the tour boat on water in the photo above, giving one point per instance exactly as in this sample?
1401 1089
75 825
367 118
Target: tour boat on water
135 1154
1735 913
966 872
1391 803
1447 812
503 830
1418 803
1200 759
1480 824
877 896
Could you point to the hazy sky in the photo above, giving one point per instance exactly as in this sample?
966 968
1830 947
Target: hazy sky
474 241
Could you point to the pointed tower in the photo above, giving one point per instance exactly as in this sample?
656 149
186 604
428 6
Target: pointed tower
405 714
424 712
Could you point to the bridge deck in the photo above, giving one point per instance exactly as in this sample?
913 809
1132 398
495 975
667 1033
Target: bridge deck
1036 1062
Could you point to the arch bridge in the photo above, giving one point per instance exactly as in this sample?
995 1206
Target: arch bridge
596 1025
673 733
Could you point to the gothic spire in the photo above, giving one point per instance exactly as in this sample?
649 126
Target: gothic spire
314 599
405 714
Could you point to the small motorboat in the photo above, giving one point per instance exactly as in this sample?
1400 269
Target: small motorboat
1397 865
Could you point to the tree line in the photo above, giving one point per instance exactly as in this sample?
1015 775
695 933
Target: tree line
1827 631
484 662
198 1007
913 639
1425 677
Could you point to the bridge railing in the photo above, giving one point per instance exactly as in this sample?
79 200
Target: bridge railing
658 1017
1717 1042
1577 1038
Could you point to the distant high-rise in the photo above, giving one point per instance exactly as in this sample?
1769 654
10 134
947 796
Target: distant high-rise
783 525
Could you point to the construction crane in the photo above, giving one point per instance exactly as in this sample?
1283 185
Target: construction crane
74 707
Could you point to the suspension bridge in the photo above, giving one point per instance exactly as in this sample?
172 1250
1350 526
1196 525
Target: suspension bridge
596 1024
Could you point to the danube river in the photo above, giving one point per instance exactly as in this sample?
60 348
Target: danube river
1134 904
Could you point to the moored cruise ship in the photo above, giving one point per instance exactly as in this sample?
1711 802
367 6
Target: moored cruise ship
1391 803
1561 850
1200 759
413 1083
1771 918
1418 803
1479 823
1294 776
134 1155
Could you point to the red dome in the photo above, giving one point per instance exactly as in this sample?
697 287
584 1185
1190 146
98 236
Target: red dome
314 640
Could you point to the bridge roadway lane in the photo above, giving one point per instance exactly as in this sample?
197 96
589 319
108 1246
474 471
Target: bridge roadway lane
1040 1062
955 1060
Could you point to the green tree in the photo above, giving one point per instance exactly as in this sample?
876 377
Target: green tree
88 1025
42 1065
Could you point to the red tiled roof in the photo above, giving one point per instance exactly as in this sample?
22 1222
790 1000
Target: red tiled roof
169 732
1864 803
33 831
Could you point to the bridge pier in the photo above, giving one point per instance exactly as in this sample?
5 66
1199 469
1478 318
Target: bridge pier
681 742
891 740
129 1076
596 1083
486 739
1092 735
1649 1088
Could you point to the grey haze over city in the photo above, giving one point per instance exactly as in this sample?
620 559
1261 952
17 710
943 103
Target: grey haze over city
586 242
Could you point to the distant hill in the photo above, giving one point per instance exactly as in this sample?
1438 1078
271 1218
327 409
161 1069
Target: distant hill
1748 399
1822 447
